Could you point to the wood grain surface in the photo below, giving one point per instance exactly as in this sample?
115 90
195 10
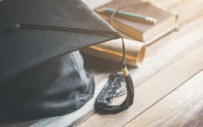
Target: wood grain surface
183 107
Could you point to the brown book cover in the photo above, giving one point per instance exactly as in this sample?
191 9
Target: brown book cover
139 30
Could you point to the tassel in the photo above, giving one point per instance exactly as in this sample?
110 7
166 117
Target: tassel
105 98
115 83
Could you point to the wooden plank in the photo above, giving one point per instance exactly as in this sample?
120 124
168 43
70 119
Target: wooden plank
152 90
166 4
182 107
188 11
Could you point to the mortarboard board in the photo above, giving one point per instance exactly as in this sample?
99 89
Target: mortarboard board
42 72
24 49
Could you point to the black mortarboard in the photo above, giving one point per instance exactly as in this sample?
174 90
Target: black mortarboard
41 71
23 49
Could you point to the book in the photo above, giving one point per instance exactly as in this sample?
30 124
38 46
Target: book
140 30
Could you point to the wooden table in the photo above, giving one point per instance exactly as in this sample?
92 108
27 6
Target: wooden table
168 84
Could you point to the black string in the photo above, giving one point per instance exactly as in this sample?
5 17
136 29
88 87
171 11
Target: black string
123 50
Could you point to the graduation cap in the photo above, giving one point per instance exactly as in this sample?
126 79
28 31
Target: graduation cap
42 73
